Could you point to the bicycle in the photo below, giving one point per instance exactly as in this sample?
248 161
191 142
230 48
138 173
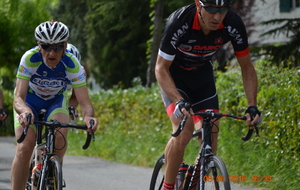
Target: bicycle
45 169
209 171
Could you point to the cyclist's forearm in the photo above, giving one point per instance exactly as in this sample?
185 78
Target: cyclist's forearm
170 89
165 80
250 85
20 106
20 96
87 110
250 81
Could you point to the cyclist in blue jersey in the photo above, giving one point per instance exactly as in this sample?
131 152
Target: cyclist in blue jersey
43 75
184 71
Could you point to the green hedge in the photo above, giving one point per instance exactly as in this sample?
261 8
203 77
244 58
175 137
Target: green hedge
6 85
277 152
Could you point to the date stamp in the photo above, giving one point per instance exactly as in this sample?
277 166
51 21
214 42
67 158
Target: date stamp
236 179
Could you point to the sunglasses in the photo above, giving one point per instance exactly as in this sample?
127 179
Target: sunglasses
214 10
56 47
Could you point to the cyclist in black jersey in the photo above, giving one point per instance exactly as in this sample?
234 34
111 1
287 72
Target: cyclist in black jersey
184 71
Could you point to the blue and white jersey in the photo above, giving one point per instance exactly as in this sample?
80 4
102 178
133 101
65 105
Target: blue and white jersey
45 82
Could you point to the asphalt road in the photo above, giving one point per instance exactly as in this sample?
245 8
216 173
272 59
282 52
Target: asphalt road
82 173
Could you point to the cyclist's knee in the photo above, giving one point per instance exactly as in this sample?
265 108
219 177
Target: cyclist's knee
24 150
181 141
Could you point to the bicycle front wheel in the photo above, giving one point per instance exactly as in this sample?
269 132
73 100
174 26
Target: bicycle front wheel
157 178
30 182
52 178
216 176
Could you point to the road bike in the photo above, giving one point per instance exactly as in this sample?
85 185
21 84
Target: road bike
45 169
209 170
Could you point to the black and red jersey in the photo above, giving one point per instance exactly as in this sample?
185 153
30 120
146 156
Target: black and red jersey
185 44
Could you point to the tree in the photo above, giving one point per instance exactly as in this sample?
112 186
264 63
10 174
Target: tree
17 33
112 37
19 19
153 43
73 14
286 54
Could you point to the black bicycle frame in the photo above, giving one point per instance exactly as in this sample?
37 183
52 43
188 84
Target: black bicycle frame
206 149
50 147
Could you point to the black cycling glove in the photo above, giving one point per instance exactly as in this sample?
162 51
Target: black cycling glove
3 113
252 110
179 105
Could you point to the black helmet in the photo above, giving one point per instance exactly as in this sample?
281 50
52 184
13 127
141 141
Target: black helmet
217 2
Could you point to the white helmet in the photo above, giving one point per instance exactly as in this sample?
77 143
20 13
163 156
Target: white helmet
52 32
74 51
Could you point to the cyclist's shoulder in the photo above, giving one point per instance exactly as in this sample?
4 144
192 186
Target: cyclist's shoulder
233 19
70 61
32 57
34 50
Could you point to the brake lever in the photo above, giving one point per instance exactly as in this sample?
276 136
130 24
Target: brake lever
181 125
72 113
23 135
89 136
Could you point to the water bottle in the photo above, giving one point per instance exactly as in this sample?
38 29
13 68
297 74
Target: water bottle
36 172
180 176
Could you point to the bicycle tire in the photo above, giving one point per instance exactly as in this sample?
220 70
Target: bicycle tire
157 178
216 177
52 178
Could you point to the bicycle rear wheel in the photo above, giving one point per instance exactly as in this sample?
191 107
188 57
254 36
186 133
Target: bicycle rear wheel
52 178
216 177
157 178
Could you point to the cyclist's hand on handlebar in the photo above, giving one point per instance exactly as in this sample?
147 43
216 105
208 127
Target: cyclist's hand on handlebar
253 115
87 123
182 108
23 120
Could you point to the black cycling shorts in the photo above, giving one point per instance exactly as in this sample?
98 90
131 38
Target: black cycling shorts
196 86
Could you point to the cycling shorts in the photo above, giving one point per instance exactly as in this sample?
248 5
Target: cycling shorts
196 86
53 106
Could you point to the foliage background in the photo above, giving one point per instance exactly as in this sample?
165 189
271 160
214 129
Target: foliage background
133 125
113 38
